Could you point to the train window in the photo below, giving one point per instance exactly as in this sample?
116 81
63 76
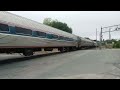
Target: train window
70 39
41 34
61 38
4 28
23 31
49 36
54 36
66 38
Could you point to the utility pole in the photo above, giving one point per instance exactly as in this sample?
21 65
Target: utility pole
96 34
109 31
101 38
109 34
96 38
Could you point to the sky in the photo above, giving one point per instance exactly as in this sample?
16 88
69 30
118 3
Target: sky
83 23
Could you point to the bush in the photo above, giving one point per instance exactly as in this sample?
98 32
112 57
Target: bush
116 44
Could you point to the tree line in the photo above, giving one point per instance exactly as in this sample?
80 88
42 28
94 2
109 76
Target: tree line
116 43
57 24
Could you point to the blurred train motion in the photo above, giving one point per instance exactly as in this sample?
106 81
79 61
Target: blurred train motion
22 35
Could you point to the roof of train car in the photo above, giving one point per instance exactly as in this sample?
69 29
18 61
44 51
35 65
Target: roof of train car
12 19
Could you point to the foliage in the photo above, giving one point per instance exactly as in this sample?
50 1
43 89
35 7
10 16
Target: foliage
116 44
57 24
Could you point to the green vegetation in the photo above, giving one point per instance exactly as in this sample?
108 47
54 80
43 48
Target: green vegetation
57 24
115 43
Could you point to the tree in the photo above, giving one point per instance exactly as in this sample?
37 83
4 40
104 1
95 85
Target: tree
47 21
57 24
116 43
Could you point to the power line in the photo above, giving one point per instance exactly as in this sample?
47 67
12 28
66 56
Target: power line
111 26
101 36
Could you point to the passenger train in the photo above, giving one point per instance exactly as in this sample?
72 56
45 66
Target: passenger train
22 35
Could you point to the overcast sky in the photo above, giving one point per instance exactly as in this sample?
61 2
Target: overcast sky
83 23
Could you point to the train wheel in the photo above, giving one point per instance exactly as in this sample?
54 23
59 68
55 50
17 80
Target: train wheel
28 52
73 48
62 49
67 49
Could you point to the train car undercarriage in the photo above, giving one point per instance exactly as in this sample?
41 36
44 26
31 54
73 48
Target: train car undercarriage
30 51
